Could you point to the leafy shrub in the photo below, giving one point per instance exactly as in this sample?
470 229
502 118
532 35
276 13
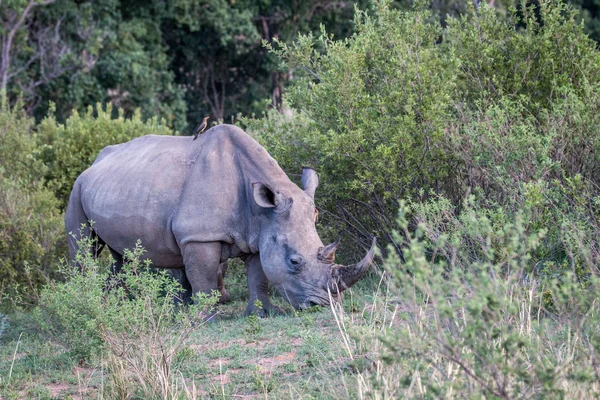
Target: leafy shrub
467 316
376 105
405 108
70 148
136 325
18 144
31 238
521 114
31 228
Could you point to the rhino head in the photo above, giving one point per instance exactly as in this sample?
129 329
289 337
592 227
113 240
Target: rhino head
292 255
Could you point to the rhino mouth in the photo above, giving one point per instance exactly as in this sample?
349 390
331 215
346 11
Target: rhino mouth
318 299
314 301
306 304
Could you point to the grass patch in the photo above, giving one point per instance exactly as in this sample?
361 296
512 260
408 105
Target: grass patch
460 313
288 356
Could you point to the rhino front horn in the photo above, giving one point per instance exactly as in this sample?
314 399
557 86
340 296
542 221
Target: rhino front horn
343 277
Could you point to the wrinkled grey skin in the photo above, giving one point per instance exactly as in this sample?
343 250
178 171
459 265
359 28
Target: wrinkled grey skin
195 204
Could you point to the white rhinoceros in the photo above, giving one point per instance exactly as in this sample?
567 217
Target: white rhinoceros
195 204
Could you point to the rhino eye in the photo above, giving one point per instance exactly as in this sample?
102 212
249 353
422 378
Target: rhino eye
296 263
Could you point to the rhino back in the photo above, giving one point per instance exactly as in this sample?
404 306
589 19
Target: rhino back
130 193
168 191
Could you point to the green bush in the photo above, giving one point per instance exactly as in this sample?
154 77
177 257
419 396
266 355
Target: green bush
91 305
31 228
130 321
70 148
375 108
491 104
527 100
31 238
467 316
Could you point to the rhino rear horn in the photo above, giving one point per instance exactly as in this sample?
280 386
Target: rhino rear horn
343 277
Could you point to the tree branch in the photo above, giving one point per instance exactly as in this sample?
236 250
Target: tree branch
7 42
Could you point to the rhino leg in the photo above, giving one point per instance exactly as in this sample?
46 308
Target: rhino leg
78 227
185 295
116 267
225 297
202 264
114 280
258 286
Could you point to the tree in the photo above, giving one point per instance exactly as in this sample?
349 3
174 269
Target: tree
76 54
32 53
217 51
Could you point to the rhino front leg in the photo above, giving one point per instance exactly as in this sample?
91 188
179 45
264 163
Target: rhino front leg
186 294
258 286
202 265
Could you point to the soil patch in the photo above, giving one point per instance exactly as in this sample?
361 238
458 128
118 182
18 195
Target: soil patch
57 388
267 365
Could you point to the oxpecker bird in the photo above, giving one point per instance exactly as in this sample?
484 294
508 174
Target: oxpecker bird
201 128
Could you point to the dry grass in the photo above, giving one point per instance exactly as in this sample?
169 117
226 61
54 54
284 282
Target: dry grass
403 350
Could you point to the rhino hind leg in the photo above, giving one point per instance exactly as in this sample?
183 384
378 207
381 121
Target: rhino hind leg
258 286
116 267
225 297
113 280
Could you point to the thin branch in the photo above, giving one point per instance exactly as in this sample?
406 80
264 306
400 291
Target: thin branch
7 42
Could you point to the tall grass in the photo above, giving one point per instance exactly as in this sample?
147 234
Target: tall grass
463 315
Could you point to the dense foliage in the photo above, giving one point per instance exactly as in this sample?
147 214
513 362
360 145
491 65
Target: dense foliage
505 109
177 60
31 232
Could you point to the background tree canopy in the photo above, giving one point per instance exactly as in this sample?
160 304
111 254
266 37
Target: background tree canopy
177 60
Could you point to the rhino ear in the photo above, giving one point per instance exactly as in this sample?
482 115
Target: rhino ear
264 196
310 181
